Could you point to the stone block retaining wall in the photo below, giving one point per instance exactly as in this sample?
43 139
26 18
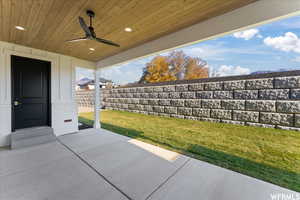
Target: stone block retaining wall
266 100
85 98
85 101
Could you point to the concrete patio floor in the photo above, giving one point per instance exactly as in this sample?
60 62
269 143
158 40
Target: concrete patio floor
98 164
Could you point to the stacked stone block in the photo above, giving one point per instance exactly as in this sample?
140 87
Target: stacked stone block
85 98
267 102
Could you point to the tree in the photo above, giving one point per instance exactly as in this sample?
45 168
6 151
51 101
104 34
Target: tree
157 71
175 66
196 68
178 61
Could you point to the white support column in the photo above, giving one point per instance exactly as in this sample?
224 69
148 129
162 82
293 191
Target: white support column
97 124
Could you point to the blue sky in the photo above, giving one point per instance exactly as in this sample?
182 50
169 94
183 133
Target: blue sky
268 47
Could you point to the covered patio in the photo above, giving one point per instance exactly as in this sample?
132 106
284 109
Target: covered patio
49 157
96 163
44 41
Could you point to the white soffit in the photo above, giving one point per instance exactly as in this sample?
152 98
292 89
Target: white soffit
260 12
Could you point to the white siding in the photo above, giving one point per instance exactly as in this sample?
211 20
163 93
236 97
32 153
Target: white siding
62 88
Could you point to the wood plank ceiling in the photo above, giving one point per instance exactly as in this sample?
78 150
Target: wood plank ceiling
49 23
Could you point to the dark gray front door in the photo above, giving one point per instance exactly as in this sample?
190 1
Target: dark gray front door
30 92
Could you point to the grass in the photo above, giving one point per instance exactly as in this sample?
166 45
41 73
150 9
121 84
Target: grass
271 155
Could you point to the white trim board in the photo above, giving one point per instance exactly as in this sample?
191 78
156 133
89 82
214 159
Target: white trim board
260 12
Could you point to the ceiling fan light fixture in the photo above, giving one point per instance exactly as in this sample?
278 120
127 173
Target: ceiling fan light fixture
21 28
92 49
128 29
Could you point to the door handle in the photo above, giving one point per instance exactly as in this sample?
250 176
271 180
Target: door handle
16 103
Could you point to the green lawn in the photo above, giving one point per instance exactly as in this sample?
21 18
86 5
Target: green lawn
269 154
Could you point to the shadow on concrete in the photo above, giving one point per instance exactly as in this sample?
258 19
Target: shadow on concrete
283 178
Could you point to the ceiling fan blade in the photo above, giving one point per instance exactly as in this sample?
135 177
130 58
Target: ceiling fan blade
107 42
84 26
77 39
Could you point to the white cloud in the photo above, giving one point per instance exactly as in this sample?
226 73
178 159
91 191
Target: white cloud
125 73
288 42
206 52
219 52
84 73
247 34
229 70
296 59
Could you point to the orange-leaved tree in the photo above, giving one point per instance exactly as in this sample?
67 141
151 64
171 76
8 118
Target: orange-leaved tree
175 66
196 68
158 70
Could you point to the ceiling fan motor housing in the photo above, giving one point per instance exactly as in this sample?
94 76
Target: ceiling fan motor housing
90 13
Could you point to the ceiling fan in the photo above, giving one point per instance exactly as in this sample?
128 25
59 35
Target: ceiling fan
89 31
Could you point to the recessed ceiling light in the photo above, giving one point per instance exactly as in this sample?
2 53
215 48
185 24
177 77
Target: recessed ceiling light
128 29
20 28
92 49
